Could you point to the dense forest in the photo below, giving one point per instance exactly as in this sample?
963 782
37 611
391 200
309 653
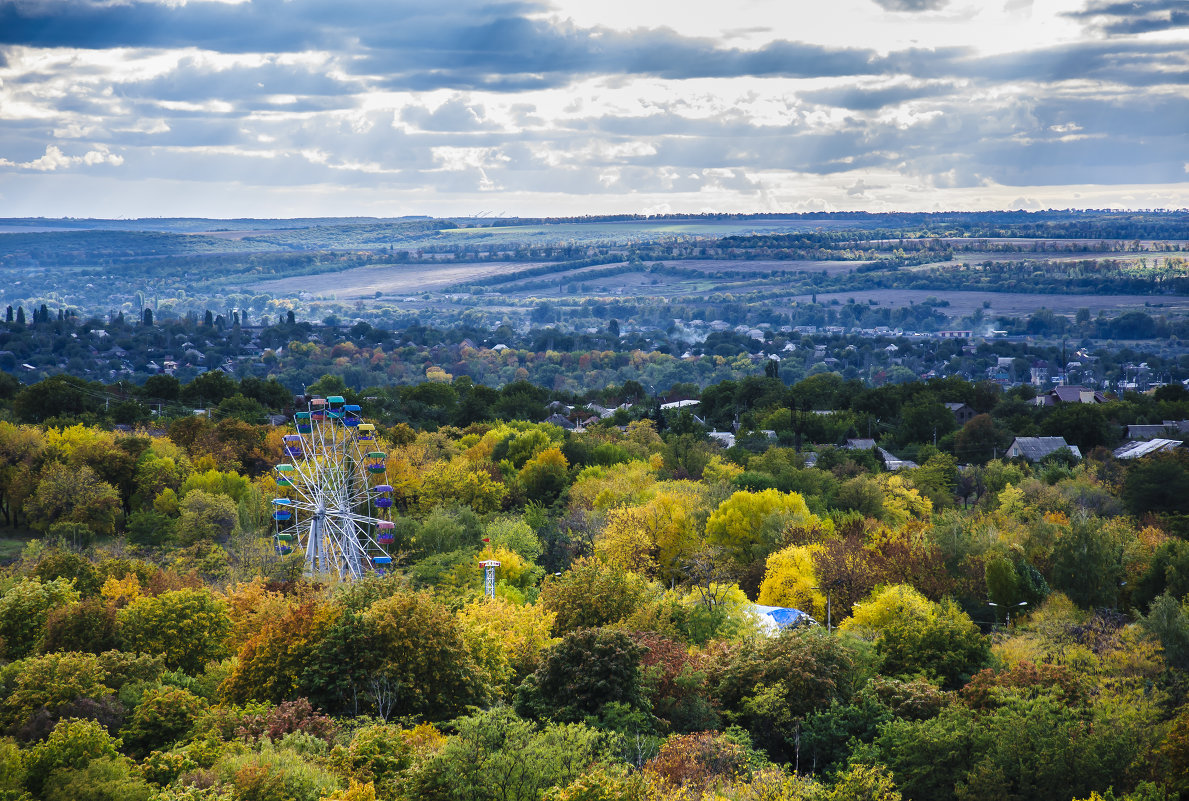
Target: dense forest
985 628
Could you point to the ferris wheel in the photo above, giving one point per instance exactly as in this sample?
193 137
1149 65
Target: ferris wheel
330 509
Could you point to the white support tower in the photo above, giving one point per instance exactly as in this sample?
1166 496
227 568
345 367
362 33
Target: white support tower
489 567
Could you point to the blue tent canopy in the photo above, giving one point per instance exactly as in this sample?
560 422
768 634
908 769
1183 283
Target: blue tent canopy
776 618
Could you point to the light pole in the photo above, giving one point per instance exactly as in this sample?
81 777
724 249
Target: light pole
829 624
1017 606
1007 611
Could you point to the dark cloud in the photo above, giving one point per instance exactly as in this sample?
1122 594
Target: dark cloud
860 99
1106 111
912 5
1131 63
492 47
522 54
1135 16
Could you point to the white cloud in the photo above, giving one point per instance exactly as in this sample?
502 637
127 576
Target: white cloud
54 159
674 103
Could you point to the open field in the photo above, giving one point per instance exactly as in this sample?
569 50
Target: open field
389 279
766 265
1009 303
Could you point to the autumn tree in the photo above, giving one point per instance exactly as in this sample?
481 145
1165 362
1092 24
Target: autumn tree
750 525
591 594
187 627
75 495
24 609
206 517
770 685
424 668
545 476
915 635
271 665
163 716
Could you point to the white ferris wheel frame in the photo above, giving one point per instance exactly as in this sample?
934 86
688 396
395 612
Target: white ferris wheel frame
332 513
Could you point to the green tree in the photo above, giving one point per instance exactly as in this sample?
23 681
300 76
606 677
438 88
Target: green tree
73 494
1168 571
591 594
71 746
57 396
209 389
979 441
12 770
249 410
749 525
1167 621
423 664
88 627
50 683
187 627
1082 424
164 716
924 420
545 476
161 387
770 686
206 517
496 756
914 635
1158 483
1087 564
581 675
24 609
103 779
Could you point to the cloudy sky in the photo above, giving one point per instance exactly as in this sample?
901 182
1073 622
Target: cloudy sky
277 108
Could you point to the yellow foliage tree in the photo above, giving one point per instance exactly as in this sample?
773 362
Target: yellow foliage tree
750 525
513 568
718 470
505 639
902 501
118 593
457 480
892 605
251 606
600 488
545 475
270 665
657 537
789 580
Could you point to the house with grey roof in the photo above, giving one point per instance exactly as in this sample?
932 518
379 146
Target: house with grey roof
962 413
559 421
1070 394
1169 428
1036 448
